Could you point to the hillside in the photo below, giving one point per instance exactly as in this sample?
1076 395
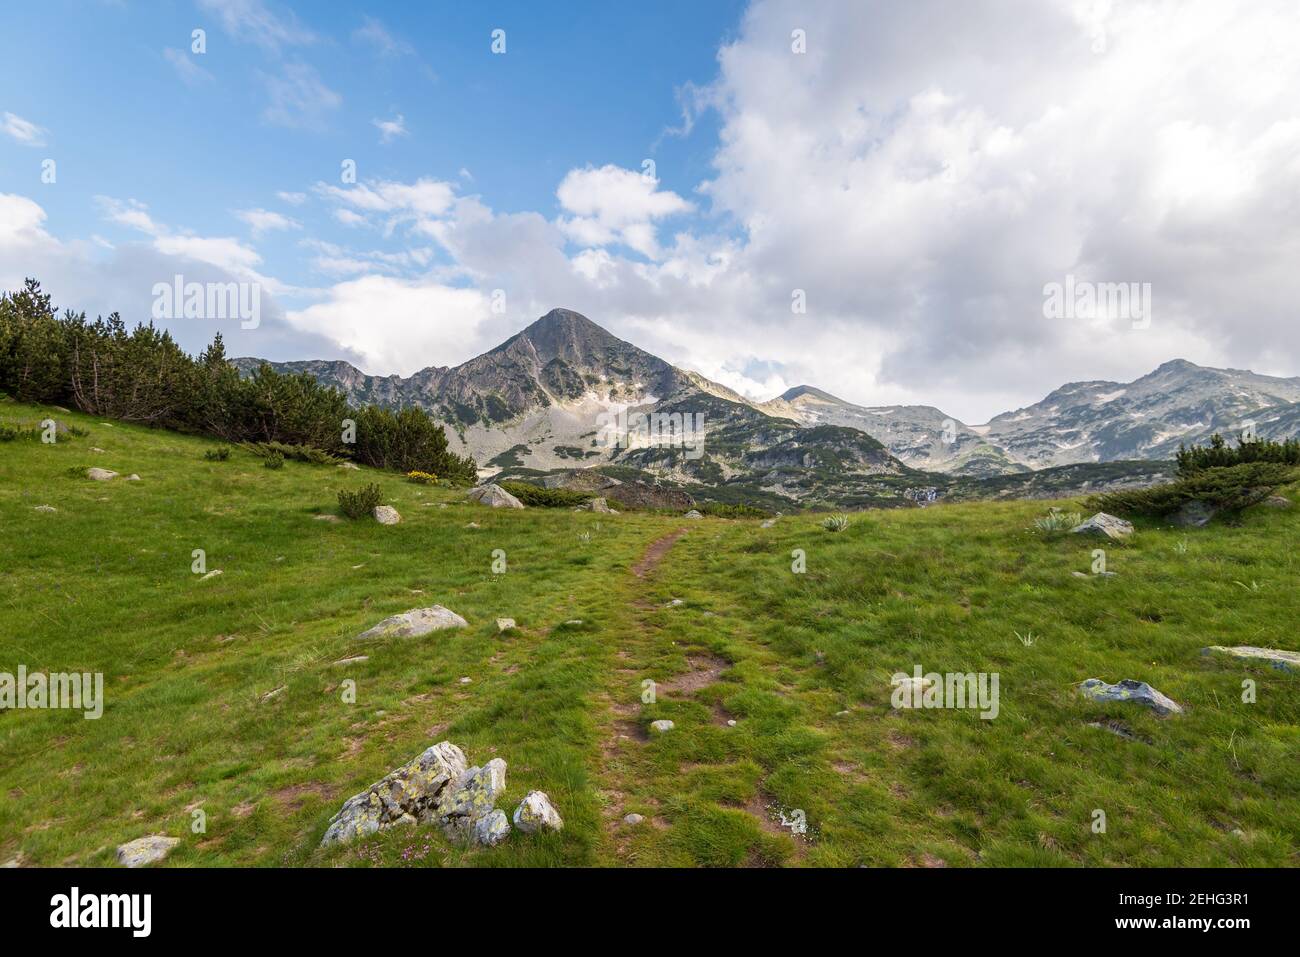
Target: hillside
226 695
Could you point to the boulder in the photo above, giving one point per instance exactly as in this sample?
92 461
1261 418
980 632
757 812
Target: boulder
505 624
1193 515
1137 692
407 795
693 513
663 726
491 829
494 496
1277 501
1272 657
1106 526
386 515
536 813
100 475
145 850
416 622
471 796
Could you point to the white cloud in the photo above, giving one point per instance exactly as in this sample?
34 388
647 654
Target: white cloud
373 33
252 21
612 204
389 130
262 221
189 71
23 131
298 97
293 199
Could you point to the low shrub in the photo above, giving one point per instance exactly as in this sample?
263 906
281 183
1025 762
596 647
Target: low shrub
1226 488
360 503
15 433
836 523
422 478
273 460
1219 454
217 454
536 496
298 453
731 510
1056 521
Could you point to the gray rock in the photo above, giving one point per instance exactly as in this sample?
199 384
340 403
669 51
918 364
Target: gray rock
386 515
212 574
471 796
599 505
133 477
145 850
409 794
633 819
494 496
1107 526
46 508
1137 692
505 624
1288 661
767 523
491 829
663 725
1277 501
350 466
332 519
416 622
693 513
1193 515
536 813
100 475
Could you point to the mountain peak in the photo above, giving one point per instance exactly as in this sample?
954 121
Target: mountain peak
789 395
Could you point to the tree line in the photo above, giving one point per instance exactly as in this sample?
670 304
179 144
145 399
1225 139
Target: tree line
141 375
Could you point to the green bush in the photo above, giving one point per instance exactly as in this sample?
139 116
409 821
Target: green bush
1219 454
421 478
218 454
273 460
1226 488
298 453
535 495
731 510
15 433
362 502
1056 521
836 523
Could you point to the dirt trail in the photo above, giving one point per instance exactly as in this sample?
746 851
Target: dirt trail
655 553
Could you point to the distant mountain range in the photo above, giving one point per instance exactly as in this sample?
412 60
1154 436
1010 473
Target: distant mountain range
547 399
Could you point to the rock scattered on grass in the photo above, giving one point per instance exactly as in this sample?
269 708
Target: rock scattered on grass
633 819
386 515
466 680
663 725
350 466
332 519
212 574
46 508
414 623
145 850
536 813
101 475
494 496
434 788
1137 692
1288 661
1106 526
693 513
505 624
767 523
353 660
273 693
1277 501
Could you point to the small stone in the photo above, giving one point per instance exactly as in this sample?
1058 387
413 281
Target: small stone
473 525
350 466
212 574
1106 526
145 850
332 519
536 813
133 477
731 722
1079 574
1138 692
46 508
354 660
386 515
414 623
663 725
840 714
505 624
1277 501
693 513
100 475
466 681
674 603
273 694
767 523
633 819
93 449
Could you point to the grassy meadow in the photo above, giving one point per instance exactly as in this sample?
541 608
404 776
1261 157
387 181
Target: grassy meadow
227 696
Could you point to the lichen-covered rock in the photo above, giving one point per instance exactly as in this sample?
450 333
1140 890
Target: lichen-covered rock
145 850
386 515
494 496
505 624
491 829
100 475
1272 657
536 813
473 794
405 796
1106 526
1137 692
414 623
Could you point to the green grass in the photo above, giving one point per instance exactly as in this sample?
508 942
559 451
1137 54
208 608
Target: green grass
105 584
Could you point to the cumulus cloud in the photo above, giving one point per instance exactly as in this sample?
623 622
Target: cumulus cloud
252 21
262 221
390 130
616 205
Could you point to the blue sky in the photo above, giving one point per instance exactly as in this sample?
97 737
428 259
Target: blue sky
914 176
